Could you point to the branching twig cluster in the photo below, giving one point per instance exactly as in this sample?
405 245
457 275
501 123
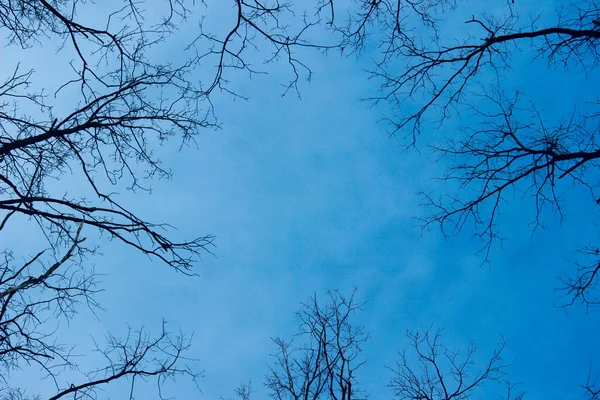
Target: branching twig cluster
324 363
508 145
431 371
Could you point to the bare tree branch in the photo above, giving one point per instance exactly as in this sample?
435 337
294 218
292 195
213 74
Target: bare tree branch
324 364
441 374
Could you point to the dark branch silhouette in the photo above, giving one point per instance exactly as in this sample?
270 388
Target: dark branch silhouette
501 143
323 359
100 127
262 23
590 388
430 371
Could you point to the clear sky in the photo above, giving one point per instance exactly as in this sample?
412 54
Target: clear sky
311 194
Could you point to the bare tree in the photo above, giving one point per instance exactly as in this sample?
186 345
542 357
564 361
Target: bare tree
322 361
121 105
17 394
275 25
99 127
431 68
591 390
242 392
433 372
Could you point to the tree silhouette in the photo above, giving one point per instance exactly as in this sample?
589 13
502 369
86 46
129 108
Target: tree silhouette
323 360
99 129
432 67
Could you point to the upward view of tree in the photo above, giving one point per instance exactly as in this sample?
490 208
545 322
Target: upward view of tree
324 358
107 138
100 127
444 58
438 60
324 364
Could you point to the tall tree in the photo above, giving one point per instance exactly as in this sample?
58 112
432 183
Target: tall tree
324 358
432 371
110 104
324 362
438 59
121 104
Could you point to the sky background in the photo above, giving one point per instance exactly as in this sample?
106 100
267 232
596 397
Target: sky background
306 195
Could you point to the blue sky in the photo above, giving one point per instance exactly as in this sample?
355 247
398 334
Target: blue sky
312 194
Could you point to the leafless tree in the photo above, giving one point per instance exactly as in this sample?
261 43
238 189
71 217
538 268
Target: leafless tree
323 359
432 68
17 394
433 372
121 105
242 392
321 362
590 388
274 24
99 127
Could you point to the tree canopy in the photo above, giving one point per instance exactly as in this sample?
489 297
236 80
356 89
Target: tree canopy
445 76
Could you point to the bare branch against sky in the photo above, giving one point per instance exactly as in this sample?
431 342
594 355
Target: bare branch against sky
503 97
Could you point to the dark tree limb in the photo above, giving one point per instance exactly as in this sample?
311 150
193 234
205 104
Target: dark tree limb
432 372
